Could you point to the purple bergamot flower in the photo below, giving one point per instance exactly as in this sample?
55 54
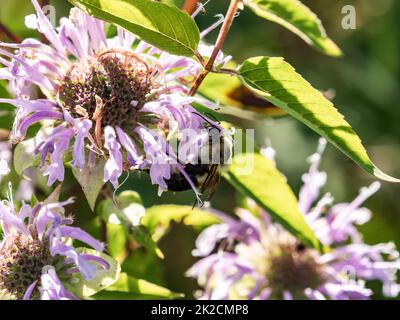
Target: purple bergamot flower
255 258
36 255
119 99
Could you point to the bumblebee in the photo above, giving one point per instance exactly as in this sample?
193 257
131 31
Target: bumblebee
199 173
205 176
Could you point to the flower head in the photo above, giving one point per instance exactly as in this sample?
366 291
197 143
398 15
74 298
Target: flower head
255 258
36 252
119 98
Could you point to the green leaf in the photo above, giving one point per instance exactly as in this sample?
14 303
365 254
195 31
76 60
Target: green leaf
144 264
159 24
257 177
12 13
128 211
34 200
129 287
143 237
126 208
278 82
117 240
299 19
158 218
54 196
6 296
24 155
7 111
3 90
128 197
91 179
103 278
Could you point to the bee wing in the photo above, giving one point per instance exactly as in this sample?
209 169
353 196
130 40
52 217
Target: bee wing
210 184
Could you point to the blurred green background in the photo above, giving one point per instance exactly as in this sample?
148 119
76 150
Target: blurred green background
366 83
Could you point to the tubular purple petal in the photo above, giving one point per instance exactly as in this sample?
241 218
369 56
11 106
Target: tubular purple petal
113 167
83 128
28 293
97 259
46 27
35 118
130 147
52 288
79 234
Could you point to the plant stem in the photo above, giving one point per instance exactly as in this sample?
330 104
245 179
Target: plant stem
230 15
190 6
44 3
227 71
103 230
7 32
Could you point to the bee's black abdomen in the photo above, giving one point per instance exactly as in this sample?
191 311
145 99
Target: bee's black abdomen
195 170
178 182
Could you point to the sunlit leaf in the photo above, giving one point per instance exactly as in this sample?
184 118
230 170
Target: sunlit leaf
117 240
6 296
129 287
257 177
126 208
299 19
159 218
103 278
159 24
143 237
279 83
91 179
25 156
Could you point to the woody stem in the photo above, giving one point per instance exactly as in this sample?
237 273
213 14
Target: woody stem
7 32
190 6
230 15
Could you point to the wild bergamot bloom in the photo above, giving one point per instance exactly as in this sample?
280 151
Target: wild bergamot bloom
36 254
255 258
119 99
